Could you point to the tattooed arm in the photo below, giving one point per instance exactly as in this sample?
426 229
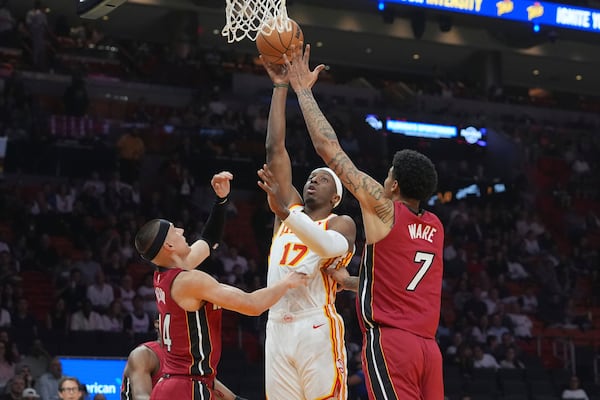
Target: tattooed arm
377 210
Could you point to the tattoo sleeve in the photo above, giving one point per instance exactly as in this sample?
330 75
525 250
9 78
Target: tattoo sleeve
363 187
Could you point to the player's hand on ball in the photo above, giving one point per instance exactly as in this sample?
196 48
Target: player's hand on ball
301 77
277 72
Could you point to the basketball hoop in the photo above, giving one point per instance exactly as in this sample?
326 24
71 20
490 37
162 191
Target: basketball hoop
246 18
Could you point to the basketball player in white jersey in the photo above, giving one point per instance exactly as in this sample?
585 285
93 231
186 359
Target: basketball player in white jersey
305 357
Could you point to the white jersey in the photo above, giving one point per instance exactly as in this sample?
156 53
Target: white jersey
305 357
288 253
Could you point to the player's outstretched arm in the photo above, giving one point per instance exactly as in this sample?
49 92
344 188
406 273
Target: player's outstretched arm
377 210
141 364
191 288
212 232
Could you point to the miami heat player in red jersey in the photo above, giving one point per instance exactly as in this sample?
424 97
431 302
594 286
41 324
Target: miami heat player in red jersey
191 341
401 274
189 300
399 296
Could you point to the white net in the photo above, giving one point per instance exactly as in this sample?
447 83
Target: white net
246 18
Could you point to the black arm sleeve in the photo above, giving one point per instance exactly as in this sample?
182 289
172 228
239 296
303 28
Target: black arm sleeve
215 225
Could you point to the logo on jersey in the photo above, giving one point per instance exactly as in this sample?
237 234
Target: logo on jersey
340 365
160 295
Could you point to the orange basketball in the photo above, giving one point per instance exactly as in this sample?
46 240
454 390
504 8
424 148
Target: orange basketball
272 46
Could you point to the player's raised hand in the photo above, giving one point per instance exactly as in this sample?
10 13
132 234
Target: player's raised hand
221 183
300 75
271 187
277 72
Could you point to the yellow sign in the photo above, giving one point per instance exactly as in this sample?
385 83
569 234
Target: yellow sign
505 7
535 10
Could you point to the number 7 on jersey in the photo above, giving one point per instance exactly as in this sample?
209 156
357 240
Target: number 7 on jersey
426 259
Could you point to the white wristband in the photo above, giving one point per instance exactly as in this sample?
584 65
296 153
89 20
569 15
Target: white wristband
326 243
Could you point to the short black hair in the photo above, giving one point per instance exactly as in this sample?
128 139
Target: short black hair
146 235
415 173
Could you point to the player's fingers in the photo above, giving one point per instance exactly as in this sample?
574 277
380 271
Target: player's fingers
319 68
225 175
286 61
306 55
264 186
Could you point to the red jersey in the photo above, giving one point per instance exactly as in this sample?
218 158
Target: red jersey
155 347
401 275
191 340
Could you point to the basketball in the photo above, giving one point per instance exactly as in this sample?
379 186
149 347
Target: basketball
272 46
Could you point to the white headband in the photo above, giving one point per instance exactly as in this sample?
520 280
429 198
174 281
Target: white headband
338 183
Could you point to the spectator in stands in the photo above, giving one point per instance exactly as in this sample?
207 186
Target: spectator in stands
114 267
465 360
475 307
574 391
37 359
75 98
64 199
506 342
130 152
24 371
138 321
232 258
7 366
491 300
75 291
511 361
482 359
88 266
14 388
113 319
125 293
528 301
521 323
37 24
452 351
58 318
30 394
357 389
86 319
461 294
7 25
479 332
573 319
497 328
94 182
100 293
146 292
516 271
24 326
69 388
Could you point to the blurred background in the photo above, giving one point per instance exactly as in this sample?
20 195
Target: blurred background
107 122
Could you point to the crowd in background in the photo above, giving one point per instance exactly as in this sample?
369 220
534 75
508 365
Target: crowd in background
514 261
